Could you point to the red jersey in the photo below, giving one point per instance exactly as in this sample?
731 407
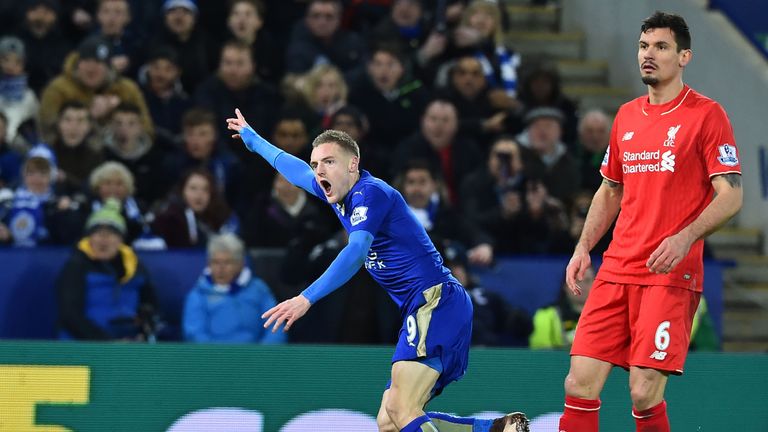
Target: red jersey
664 156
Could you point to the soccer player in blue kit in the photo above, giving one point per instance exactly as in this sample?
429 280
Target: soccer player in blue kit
433 343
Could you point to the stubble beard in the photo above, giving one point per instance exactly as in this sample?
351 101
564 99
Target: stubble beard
650 80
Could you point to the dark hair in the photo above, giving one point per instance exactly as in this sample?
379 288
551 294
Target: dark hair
350 110
126 107
257 4
198 117
341 138
73 104
421 165
674 22
217 212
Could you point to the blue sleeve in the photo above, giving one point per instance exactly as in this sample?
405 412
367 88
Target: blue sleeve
292 168
346 264
195 319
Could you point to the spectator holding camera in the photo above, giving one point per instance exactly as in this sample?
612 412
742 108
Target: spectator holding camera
511 206
104 288
227 301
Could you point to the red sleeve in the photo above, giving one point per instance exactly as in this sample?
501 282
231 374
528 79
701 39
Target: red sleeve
611 166
717 144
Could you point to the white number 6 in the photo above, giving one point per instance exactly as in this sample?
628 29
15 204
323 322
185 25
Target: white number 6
410 325
662 336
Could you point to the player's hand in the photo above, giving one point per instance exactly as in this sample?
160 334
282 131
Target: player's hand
286 312
577 266
670 252
481 254
237 124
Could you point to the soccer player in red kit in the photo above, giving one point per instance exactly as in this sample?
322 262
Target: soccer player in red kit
672 168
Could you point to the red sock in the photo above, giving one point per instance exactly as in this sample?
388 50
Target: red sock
580 415
653 419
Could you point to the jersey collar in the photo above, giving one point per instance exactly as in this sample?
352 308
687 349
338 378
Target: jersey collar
665 108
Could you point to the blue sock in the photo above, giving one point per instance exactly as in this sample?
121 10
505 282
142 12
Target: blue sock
420 424
449 423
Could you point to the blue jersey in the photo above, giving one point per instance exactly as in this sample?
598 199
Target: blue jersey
402 258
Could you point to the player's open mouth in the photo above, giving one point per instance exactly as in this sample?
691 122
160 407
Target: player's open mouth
326 185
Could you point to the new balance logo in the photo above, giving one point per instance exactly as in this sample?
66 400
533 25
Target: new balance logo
628 136
667 161
659 355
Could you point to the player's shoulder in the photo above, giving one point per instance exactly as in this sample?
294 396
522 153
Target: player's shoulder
703 103
370 187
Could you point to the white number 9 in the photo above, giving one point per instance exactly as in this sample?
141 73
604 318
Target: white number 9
410 325
662 336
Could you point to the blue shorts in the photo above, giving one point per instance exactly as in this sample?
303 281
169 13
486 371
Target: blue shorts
436 331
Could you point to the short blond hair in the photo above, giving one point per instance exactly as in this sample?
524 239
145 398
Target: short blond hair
341 138
110 170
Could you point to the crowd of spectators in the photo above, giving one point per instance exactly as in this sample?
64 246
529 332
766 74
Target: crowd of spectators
124 101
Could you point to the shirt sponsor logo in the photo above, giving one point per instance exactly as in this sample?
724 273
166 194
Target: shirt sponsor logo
649 161
628 136
727 155
359 214
373 262
670 141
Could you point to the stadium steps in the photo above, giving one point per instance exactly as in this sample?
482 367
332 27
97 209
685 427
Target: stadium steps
534 18
535 34
745 289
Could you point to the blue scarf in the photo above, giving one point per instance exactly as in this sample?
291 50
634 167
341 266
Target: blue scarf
509 61
26 220
12 88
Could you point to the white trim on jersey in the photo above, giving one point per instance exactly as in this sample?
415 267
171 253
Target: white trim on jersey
724 173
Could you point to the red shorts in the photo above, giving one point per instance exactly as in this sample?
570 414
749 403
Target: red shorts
637 325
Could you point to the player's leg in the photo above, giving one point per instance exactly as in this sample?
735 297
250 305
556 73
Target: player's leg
602 341
661 320
646 387
410 390
383 421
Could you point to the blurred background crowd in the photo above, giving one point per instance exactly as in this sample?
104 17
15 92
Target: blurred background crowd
113 140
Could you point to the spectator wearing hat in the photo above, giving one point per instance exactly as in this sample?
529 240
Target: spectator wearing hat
42 36
17 100
104 289
160 81
180 31
89 78
227 301
319 39
546 156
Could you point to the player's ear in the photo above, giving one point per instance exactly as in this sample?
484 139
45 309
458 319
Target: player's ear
685 57
354 161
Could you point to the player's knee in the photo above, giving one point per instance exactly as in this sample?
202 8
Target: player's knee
398 410
644 394
384 423
580 387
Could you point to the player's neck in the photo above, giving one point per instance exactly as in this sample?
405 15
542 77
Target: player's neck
660 94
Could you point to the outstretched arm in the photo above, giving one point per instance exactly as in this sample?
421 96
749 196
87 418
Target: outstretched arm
292 168
341 270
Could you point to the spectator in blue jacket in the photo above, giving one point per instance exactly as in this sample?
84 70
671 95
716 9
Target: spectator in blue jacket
104 292
226 303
